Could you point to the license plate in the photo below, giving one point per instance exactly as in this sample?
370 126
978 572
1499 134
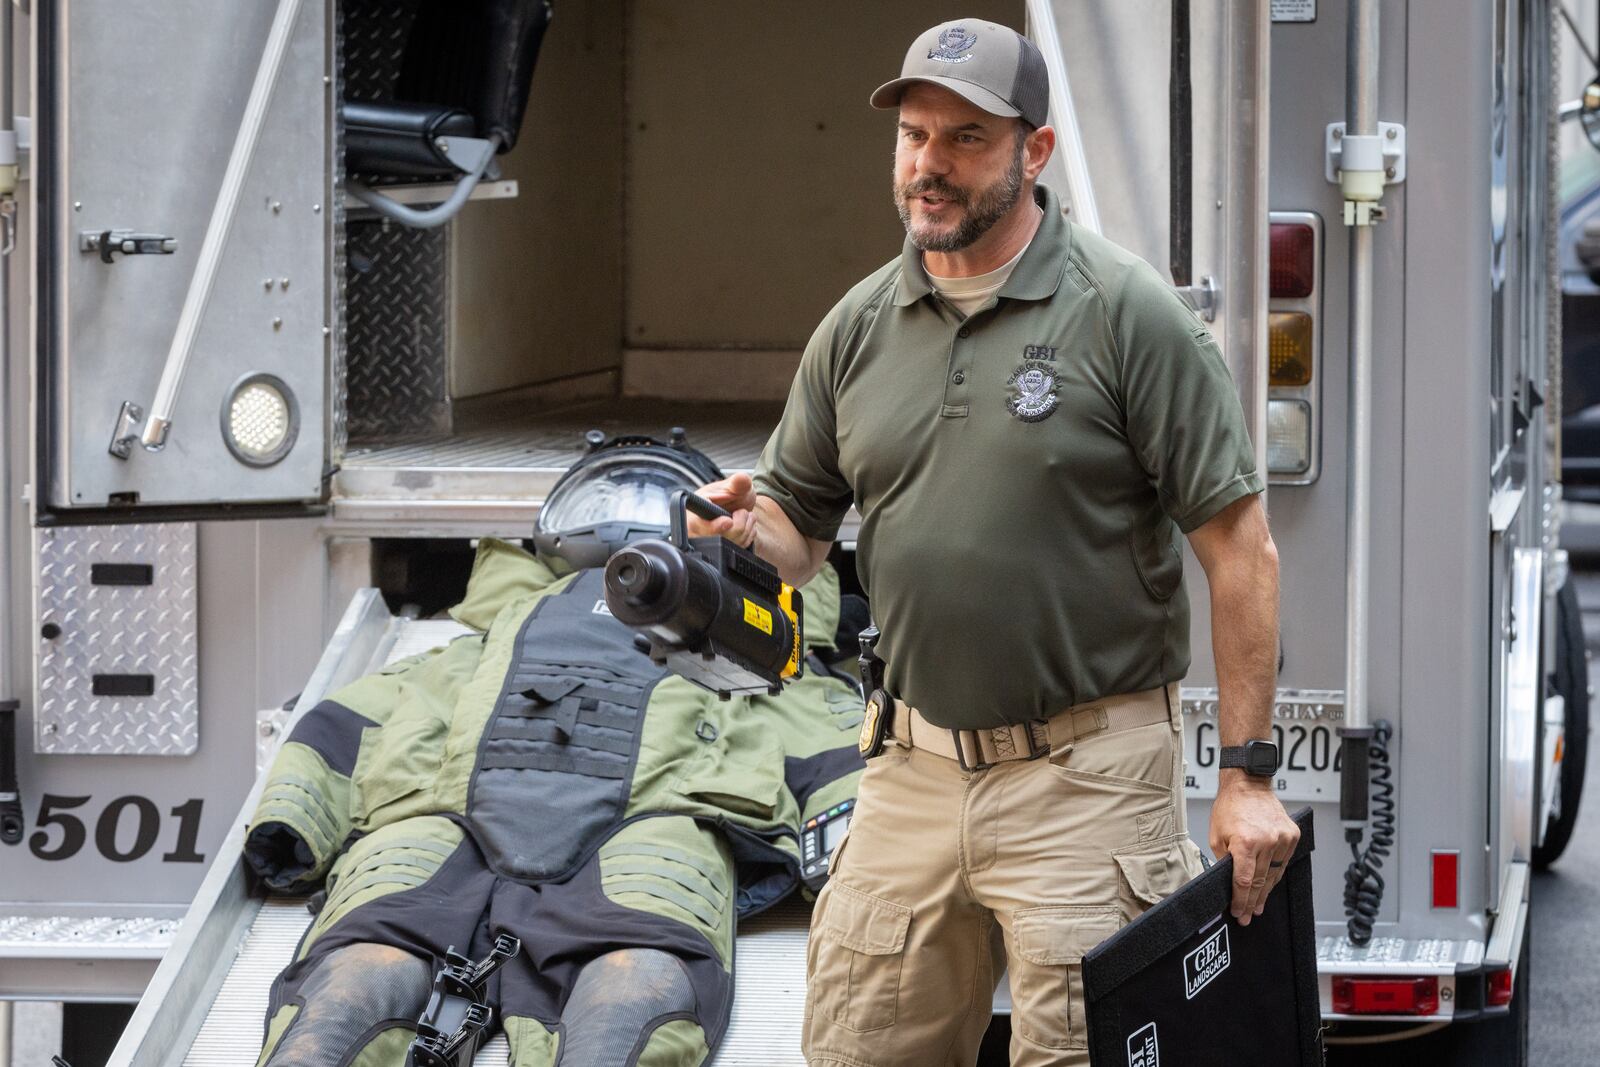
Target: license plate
1308 749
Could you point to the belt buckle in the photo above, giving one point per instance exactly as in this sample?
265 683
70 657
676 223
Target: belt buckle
1035 749
961 752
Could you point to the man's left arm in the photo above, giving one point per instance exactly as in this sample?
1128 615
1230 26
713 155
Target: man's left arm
1247 820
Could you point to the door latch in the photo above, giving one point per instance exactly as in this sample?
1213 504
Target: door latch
129 243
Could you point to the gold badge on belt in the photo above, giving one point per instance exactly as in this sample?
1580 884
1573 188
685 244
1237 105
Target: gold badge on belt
874 724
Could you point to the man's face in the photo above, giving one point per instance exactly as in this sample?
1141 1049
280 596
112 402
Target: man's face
957 169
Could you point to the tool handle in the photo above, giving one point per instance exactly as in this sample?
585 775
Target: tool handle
704 508
684 500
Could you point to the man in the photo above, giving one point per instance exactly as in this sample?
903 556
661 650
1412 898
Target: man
1025 415
541 778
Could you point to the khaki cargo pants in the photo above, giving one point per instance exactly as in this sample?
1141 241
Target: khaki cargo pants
947 876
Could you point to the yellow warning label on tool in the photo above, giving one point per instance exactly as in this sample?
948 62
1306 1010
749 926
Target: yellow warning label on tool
758 616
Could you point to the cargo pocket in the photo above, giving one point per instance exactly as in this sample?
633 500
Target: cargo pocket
1050 943
1151 872
860 945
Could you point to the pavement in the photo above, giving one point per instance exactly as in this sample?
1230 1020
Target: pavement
1564 1026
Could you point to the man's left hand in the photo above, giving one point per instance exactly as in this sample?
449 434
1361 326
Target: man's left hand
1248 823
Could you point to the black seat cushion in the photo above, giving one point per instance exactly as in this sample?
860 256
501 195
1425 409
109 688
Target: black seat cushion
476 54
401 140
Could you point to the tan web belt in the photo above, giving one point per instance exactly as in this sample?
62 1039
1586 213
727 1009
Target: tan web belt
975 750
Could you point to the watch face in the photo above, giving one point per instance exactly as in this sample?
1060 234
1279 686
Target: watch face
1261 758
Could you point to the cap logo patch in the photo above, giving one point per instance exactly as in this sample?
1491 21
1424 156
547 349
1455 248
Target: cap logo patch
1032 389
955 46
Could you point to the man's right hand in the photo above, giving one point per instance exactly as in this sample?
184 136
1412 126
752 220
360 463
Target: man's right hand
737 495
798 558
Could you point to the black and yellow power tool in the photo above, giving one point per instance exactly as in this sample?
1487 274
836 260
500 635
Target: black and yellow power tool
715 613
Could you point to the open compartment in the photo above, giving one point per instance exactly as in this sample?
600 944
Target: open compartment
695 185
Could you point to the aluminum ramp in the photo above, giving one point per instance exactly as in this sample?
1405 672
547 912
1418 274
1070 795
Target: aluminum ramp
206 1004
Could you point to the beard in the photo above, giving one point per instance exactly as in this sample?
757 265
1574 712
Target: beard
981 209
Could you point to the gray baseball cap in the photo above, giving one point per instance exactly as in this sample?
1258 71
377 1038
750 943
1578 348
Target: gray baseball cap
990 65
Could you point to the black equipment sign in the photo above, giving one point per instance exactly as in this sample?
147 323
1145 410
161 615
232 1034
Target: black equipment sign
1186 976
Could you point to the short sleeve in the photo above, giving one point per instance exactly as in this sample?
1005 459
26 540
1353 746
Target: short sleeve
1182 407
799 468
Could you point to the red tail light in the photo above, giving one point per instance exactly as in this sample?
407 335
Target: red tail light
1500 988
1386 996
1293 260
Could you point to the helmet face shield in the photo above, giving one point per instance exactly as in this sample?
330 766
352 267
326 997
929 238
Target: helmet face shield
620 492
620 487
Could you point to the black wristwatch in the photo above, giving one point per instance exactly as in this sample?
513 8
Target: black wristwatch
1258 758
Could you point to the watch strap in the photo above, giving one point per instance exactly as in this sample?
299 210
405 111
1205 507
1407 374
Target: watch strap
1239 756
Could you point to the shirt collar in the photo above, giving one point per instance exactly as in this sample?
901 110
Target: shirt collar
1036 276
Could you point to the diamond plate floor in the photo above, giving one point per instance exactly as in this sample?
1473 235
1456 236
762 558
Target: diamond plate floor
731 434
85 937
491 475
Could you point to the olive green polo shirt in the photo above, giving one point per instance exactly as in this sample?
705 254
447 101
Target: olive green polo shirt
1022 474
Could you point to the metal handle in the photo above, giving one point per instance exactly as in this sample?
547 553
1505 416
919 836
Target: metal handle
684 500
128 242
205 271
1361 106
475 158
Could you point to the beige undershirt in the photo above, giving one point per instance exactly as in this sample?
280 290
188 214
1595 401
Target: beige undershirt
970 294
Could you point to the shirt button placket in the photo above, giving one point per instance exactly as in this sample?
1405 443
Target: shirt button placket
955 396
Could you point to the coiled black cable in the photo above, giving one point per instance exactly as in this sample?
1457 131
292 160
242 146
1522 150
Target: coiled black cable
1363 885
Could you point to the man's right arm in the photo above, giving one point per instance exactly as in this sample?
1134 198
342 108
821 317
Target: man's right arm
792 520
758 522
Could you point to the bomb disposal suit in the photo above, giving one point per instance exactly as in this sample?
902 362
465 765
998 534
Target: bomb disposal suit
541 777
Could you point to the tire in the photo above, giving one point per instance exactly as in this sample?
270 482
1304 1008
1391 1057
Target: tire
1571 680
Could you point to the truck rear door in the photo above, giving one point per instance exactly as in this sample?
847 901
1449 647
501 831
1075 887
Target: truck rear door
140 118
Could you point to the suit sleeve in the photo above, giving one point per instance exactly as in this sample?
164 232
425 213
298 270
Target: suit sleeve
305 815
